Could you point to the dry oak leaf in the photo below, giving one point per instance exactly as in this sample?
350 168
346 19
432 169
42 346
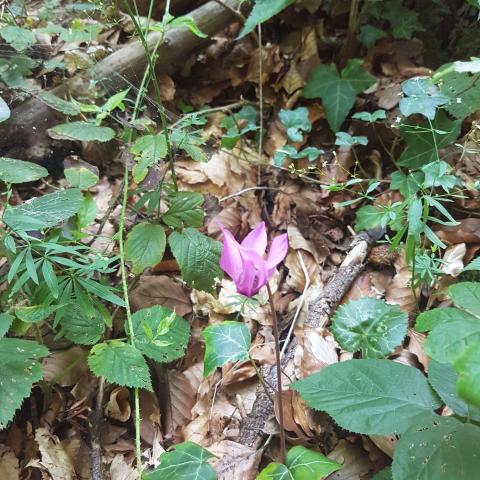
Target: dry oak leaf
9 469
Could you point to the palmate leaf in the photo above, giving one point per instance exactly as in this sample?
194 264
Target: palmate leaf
19 171
120 363
338 93
421 95
369 325
440 448
20 370
295 121
363 396
224 343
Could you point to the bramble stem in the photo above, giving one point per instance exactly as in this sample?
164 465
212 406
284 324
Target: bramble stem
279 375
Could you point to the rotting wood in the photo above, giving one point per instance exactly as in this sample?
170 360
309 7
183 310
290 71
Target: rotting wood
33 117
320 311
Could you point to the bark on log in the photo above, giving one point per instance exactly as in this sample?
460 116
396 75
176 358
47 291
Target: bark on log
319 312
127 64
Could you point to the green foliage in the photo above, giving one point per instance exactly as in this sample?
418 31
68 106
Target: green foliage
160 334
369 35
120 363
5 322
310 153
369 325
364 396
224 343
83 326
198 257
404 22
295 121
19 171
344 139
467 366
238 125
338 93
262 11
4 110
57 103
436 448
186 461
147 149
35 313
19 38
82 131
370 117
20 370
185 209
300 464
145 246
80 177
385 474
421 95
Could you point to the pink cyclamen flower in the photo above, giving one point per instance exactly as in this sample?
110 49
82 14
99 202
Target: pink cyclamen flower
245 262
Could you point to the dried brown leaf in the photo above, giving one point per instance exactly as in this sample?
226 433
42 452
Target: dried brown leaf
118 406
9 468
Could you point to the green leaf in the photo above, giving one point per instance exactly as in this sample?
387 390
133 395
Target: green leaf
160 334
369 35
18 171
443 378
369 325
438 448
262 11
82 131
407 185
368 217
338 93
421 95
473 265
473 66
467 366
305 464
344 139
198 257
224 343
145 246
80 177
423 140
101 291
385 474
404 22
35 313
148 149
429 319
5 323
4 110
19 38
188 22
20 370
437 175
87 212
295 121
186 461
185 207
370 117
466 295
44 212
275 471
57 103
363 396
120 363
82 327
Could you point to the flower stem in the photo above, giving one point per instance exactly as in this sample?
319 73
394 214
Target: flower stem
279 376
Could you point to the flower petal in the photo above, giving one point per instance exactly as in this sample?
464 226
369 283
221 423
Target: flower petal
256 240
254 273
278 251
230 259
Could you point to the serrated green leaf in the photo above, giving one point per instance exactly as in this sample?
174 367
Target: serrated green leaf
120 363
363 396
369 325
145 246
422 96
82 131
186 461
466 295
80 177
18 171
20 370
4 110
19 38
198 257
295 121
338 93
440 448
59 104
262 11
87 212
35 313
224 343
82 327
467 365
44 212
185 207
5 323
164 344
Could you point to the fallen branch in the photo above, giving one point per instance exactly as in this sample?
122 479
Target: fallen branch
127 64
320 311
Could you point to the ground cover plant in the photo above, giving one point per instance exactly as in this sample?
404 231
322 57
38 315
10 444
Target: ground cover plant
239 239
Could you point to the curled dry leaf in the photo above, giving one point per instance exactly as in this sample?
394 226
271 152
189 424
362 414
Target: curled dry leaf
452 261
415 346
399 291
386 443
9 469
160 290
118 406
150 430
236 460
355 463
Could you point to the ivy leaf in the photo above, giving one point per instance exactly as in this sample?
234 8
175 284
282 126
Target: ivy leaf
295 121
145 246
443 378
467 366
186 461
160 334
363 396
19 38
4 110
275 471
422 96
185 207
307 464
344 139
44 212
369 325
82 131
404 22
120 363
20 370
423 140
370 117
338 93
262 11
224 343
437 448
311 153
19 171
198 257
